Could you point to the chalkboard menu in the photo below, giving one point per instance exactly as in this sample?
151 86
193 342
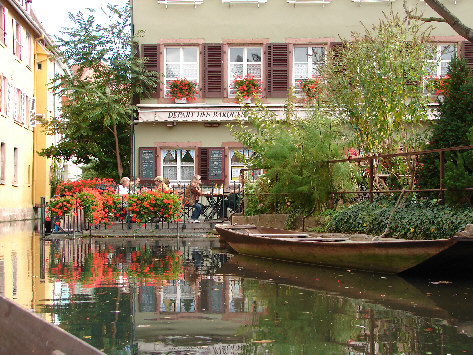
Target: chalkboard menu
147 163
216 164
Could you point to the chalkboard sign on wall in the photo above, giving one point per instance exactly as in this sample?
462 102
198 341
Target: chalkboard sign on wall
147 163
216 164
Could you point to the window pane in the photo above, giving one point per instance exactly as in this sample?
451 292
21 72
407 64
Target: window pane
172 55
172 70
318 54
190 54
187 172
447 52
300 71
254 70
236 70
169 157
300 54
170 172
190 71
187 156
236 54
254 55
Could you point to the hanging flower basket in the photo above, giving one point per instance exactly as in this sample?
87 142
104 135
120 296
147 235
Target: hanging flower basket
183 90
246 88
311 88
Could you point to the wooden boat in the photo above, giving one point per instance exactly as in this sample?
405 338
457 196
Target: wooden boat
444 256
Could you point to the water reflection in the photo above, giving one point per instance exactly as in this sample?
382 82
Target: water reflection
186 296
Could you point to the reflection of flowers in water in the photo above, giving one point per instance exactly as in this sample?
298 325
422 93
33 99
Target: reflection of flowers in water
109 268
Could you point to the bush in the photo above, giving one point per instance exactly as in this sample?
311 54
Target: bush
415 219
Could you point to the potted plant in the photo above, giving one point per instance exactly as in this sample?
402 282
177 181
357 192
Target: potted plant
311 88
246 88
183 90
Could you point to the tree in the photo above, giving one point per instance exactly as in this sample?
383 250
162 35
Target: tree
97 109
375 82
445 16
452 128
293 151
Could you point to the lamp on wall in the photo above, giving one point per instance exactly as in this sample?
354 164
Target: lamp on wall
171 123
212 124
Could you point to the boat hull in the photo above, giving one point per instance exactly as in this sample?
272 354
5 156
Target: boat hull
389 256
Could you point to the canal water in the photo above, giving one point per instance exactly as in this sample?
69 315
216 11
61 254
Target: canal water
189 296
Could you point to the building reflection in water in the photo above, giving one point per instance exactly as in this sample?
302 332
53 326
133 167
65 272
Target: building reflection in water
188 296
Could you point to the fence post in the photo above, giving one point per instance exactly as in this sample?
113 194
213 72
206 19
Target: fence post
442 172
371 176
42 217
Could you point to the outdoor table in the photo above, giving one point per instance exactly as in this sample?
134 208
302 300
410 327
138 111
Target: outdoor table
214 206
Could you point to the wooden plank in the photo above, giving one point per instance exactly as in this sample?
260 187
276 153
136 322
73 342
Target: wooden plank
23 332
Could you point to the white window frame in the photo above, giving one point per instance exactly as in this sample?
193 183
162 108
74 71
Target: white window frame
439 48
179 164
231 77
311 66
181 64
28 49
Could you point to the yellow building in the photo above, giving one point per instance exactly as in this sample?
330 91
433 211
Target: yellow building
26 68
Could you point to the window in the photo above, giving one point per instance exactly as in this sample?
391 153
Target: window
237 163
307 64
178 164
28 49
3 32
244 61
15 166
444 54
17 43
181 62
3 163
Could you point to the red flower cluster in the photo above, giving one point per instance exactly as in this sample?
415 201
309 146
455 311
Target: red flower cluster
311 88
107 268
183 88
247 87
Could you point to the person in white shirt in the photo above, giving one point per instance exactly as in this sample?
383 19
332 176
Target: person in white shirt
123 188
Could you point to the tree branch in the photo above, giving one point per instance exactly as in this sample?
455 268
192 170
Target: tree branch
448 17
412 15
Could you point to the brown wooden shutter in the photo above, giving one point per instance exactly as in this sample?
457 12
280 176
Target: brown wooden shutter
277 69
151 53
204 164
213 70
468 53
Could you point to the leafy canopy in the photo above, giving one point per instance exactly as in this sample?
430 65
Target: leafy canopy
106 75
375 83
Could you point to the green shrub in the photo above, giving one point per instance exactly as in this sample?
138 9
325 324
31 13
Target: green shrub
415 219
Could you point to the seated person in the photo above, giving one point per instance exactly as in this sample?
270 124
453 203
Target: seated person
191 198
160 184
135 187
233 201
123 188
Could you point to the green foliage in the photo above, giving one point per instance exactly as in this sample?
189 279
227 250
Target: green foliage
293 151
374 83
106 74
416 219
451 129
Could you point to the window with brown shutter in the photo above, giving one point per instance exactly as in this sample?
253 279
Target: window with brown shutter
468 53
212 165
213 70
277 73
151 53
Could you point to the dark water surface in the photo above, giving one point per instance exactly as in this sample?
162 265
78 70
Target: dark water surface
188 296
